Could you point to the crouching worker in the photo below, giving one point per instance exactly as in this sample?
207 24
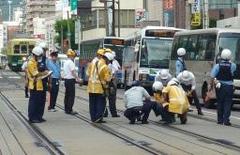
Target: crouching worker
176 101
135 105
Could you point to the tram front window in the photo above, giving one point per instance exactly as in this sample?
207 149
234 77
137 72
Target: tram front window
155 53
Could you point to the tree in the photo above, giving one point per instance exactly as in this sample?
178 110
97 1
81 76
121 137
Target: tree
62 26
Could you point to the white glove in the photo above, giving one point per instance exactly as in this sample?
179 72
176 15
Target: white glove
218 85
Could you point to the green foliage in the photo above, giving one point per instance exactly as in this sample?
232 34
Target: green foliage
63 24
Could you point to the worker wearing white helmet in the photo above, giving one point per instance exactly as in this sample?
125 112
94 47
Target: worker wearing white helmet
99 76
223 72
180 63
164 76
114 67
188 83
37 93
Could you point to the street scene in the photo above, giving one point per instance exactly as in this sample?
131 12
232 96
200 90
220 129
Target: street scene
115 77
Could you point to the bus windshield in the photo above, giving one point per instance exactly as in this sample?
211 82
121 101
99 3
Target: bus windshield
231 41
155 52
118 50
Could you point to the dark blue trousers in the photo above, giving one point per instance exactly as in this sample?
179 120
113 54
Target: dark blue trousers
224 103
69 95
97 105
53 93
36 104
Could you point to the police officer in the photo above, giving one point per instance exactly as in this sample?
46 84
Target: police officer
180 63
223 72
188 83
37 94
54 66
100 54
70 77
164 77
99 76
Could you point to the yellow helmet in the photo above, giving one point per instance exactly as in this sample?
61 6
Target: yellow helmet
70 52
108 50
101 51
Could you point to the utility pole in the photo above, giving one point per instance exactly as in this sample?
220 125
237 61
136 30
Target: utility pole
119 24
9 10
205 14
113 18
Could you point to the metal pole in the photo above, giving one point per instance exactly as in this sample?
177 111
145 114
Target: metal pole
205 14
68 29
9 10
113 18
62 38
106 18
119 24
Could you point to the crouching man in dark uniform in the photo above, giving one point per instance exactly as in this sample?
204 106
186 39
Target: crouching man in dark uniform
222 75
135 105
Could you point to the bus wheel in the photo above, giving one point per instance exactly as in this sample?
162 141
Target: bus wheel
210 103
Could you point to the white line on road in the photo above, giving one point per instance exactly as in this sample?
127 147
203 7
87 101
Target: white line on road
14 77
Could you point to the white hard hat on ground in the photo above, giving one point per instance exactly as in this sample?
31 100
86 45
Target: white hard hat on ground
181 52
109 56
226 54
186 76
157 85
37 51
164 73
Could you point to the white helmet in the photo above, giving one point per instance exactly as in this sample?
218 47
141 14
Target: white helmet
186 75
114 54
181 52
164 73
37 51
226 54
157 85
43 44
109 56
173 81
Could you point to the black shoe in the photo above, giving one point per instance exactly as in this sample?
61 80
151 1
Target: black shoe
132 122
71 113
221 123
116 115
100 121
200 112
26 96
34 121
228 124
43 120
145 122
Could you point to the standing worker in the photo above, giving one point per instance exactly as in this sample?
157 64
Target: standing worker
24 69
114 67
99 76
37 94
54 66
188 83
222 74
70 77
180 63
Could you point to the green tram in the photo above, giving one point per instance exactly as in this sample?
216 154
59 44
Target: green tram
16 50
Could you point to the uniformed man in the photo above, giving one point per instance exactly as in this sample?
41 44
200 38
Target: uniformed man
37 94
188 83
176 101
100 54
180 63
114 67
99 76
222 73
24 69
164 77
54 66
70 78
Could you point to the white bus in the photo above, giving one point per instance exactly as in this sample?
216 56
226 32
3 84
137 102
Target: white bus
146 52
203 49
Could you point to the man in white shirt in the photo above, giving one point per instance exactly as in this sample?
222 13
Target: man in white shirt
114 67
135 105
70 77
188 83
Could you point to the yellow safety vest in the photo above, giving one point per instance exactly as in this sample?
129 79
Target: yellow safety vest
99 74
178 102
32 72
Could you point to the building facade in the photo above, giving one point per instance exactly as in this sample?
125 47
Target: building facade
40 9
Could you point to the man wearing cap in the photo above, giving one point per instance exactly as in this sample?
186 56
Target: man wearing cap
163 76
188 83
99 76
37 93
70 77
54 66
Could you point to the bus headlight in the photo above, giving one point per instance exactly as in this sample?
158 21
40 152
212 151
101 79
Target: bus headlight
143 77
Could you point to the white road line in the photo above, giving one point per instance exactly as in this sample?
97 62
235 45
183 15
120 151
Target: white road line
14 77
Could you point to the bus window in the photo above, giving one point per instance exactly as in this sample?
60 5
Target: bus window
206 47
191 48
16 49
23 49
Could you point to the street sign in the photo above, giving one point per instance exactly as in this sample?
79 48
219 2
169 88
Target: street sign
196 19
74 6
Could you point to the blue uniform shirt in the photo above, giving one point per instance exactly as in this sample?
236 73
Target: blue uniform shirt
55 68
180 66
215 72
